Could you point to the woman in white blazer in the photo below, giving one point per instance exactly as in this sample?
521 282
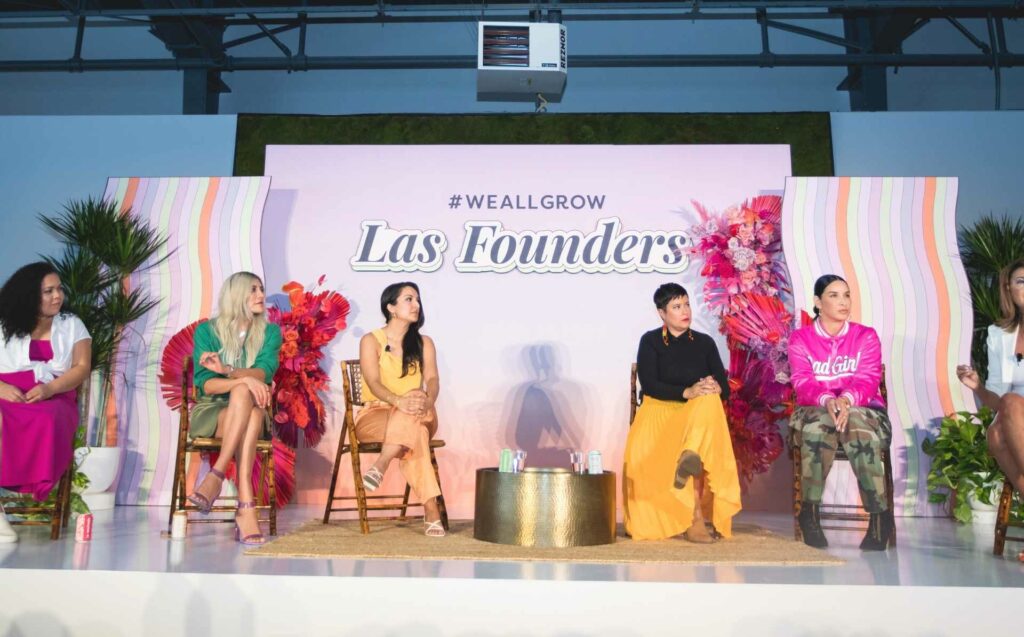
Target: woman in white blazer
1004 391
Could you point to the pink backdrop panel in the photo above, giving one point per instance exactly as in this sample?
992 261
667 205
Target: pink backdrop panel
530 359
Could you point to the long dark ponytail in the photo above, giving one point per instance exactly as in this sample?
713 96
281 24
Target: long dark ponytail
412 343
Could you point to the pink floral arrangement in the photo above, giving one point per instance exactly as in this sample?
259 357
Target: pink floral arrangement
313 320
745 281
741 248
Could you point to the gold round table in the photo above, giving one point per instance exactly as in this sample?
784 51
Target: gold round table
544 507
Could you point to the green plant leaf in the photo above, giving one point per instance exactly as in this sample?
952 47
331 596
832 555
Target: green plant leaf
961 462
102 247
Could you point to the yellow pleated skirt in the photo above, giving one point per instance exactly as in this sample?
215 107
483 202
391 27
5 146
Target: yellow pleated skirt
654 508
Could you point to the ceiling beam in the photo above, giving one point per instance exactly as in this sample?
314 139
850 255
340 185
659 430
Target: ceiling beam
414 62
475 10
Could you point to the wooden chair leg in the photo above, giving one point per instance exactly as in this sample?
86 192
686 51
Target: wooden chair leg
66 506
797 492
334 475
66 498
405 502
57 515
342 450
175 484
357 479
1003 519
272 487
890 496
440 497
181 483
259 484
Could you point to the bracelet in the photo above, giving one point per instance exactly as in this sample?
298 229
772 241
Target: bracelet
231 370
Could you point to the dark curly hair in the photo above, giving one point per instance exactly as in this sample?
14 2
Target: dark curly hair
20 298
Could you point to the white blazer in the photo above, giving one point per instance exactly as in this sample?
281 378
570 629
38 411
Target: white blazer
1001 359
67 330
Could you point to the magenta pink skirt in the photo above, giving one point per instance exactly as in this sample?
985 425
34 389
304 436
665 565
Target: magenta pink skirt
36 439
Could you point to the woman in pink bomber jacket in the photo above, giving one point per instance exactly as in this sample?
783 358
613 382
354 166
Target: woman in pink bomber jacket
836 368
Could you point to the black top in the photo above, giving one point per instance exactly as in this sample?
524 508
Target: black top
666 370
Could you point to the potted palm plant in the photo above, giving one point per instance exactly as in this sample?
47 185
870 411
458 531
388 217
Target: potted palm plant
103 246
986 247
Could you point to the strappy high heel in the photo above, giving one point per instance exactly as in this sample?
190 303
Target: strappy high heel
200 501
253 539
434 529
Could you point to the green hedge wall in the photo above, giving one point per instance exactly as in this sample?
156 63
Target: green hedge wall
808 134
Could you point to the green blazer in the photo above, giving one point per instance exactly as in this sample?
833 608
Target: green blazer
205 340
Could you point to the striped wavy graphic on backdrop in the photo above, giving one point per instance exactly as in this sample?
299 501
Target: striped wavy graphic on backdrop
894 241
213 229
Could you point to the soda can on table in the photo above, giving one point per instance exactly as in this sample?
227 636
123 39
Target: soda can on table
83 528
594 462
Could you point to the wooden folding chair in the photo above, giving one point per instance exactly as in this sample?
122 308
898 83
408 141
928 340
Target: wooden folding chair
56 515
635 398
351 374
264 450
1003 523
842 512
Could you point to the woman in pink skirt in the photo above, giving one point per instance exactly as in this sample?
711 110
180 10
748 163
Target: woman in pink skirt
44 357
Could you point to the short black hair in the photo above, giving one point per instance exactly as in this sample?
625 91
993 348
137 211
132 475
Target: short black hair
20 298
823 282
666 292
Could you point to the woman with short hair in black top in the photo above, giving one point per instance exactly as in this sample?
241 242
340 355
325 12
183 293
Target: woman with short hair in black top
679 443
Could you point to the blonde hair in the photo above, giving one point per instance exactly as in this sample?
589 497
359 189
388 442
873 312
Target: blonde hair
233 313
1011 315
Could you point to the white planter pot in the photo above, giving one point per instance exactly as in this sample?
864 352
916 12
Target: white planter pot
100 464
982 513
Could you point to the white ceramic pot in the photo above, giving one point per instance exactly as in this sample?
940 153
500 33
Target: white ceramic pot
982 513
100 464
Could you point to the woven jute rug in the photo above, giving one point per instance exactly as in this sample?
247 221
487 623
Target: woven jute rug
750 544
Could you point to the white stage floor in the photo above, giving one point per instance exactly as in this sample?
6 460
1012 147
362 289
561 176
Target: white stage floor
130 575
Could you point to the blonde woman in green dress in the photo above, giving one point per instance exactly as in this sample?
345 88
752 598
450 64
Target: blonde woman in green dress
234 360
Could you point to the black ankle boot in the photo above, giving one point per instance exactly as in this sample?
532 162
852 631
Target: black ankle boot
879 529
810 525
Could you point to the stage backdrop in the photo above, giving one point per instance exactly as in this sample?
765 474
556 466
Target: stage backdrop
894 241
212 225
534 343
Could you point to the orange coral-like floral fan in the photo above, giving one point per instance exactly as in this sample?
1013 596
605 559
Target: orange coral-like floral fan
312 321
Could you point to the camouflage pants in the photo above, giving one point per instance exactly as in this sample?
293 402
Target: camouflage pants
868 432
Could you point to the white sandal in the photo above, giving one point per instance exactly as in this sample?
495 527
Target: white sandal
434 529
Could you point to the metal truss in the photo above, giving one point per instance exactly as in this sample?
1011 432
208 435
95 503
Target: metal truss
193 31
